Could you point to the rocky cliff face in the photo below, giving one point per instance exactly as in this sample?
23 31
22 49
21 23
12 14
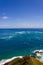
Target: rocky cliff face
27 60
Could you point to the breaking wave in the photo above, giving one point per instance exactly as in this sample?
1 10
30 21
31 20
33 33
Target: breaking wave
2 62
14 34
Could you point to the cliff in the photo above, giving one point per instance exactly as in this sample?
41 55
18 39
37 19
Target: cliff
27 60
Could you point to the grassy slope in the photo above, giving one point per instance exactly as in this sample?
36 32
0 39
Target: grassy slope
36 62
27 60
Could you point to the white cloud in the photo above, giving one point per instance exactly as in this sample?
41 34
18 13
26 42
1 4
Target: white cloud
4 17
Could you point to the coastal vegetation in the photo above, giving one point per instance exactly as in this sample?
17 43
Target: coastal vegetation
27 60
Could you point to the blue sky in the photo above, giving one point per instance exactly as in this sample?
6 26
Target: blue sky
21 13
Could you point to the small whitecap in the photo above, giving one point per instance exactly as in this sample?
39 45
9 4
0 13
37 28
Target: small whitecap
20 32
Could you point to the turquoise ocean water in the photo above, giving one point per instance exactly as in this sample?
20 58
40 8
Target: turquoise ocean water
19 42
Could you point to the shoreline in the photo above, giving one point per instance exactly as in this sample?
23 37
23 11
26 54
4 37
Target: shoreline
2 62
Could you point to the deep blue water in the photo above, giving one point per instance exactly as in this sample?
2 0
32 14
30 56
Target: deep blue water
19 42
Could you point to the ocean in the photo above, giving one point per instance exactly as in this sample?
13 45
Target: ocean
20 42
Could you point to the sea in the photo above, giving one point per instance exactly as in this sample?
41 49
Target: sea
20 41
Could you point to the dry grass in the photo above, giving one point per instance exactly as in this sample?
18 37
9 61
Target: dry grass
27 60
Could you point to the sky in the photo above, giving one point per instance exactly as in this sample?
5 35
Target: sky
21 13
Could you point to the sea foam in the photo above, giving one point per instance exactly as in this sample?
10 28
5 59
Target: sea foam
2 62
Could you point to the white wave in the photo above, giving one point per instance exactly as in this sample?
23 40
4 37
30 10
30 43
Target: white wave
38 50
20 32
39 55
7 37
23 32
10 37
2 62
38 32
